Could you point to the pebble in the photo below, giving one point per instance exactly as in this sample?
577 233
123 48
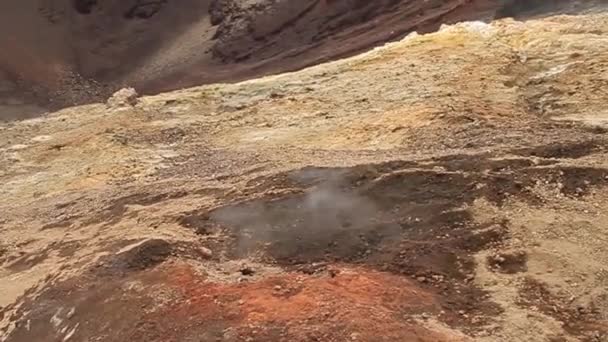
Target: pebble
71 313
205 252
438 278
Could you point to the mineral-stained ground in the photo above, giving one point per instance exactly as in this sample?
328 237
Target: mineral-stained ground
450 186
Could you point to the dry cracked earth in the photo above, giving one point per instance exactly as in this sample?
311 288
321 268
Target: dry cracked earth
449 186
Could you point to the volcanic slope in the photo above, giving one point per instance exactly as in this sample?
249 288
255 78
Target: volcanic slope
67 52
446 187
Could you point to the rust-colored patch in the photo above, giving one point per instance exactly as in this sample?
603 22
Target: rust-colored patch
352 301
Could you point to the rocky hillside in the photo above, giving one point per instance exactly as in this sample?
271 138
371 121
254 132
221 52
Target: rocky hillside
445 187
67 52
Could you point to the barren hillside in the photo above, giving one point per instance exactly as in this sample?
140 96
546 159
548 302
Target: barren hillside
449 186
57 53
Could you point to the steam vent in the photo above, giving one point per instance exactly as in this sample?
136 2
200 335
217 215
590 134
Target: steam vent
303 170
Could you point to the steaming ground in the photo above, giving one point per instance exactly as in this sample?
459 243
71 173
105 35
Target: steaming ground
446 187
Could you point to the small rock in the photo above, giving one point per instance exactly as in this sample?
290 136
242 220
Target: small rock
438 278
230 334
125 97
205 252
499 259
71 313
247 271
421 279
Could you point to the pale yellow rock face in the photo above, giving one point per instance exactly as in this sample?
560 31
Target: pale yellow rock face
517 111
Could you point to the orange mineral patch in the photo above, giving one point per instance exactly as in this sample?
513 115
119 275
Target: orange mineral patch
348 301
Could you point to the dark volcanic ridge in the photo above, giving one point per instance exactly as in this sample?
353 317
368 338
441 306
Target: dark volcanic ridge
68 52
